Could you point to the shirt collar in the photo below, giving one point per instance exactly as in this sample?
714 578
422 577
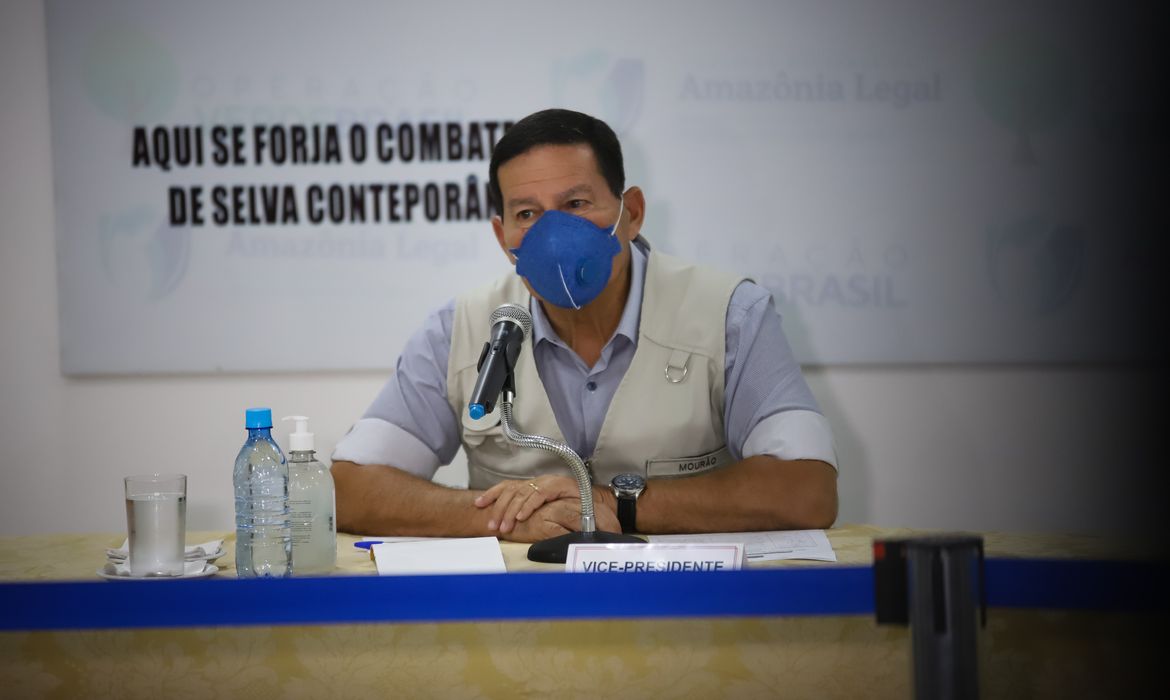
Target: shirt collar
628 325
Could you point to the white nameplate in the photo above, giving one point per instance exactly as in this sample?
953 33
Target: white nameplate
633 558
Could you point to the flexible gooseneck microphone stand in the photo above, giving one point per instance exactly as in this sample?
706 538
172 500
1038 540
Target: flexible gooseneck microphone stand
556 549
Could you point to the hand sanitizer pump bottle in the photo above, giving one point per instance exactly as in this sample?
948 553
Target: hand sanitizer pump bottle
311 504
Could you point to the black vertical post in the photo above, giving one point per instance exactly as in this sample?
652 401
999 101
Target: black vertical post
936 585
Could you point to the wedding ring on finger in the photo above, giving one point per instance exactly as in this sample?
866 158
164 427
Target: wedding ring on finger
534 487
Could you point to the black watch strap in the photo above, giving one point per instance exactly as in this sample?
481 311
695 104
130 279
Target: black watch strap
627 512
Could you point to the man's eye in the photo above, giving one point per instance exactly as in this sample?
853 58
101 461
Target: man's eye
576 203
524 215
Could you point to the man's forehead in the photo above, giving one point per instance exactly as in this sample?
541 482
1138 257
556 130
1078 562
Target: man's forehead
547 170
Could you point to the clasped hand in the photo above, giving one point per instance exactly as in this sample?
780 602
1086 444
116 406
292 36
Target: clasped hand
547 506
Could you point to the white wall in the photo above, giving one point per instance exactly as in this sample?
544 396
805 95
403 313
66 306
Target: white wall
986 448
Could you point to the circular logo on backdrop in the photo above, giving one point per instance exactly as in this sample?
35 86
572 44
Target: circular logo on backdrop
130 76
607 88
1035 266
146 261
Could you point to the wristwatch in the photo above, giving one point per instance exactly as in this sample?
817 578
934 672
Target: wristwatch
627 488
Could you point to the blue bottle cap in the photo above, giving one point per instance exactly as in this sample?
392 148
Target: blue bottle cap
476 411
258 418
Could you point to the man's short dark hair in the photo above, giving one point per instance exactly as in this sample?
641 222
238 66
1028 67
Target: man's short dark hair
559 127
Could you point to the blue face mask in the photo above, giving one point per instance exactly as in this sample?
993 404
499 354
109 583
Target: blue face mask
568 259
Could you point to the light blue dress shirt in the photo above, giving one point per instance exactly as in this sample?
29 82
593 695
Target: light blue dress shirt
762 381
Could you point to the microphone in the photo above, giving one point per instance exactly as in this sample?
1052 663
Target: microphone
510 324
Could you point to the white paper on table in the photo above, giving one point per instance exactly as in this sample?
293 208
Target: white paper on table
768 546
471 555
369 551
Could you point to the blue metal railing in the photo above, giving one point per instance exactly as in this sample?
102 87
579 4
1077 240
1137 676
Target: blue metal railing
1011 583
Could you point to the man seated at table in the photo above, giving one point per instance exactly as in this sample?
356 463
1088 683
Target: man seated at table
676 373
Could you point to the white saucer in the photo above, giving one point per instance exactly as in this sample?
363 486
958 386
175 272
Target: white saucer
192 552
192 569
213 556
119 557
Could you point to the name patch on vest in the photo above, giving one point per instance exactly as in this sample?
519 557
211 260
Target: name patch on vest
686 466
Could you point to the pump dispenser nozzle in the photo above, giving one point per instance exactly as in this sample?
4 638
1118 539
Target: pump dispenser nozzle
300 439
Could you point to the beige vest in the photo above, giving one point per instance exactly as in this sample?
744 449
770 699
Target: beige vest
666 418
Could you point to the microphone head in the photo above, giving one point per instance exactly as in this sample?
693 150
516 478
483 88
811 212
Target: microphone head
514 313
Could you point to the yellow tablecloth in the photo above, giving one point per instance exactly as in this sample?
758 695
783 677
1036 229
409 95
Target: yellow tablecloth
78 557
1025 654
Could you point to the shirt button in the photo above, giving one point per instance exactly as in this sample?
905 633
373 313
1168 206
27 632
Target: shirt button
591 385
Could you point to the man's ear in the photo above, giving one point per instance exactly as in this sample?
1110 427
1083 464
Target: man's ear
498 228
635 203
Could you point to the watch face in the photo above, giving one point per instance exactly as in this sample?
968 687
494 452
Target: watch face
631 484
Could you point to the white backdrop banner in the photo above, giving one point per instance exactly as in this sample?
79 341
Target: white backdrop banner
294 185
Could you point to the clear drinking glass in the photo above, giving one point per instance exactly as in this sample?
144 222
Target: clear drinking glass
156 520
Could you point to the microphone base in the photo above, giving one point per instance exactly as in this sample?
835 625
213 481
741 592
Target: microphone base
556 549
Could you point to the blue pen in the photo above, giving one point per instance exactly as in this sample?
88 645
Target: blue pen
367 543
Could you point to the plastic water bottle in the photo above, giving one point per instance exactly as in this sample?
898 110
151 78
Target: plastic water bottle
263 542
